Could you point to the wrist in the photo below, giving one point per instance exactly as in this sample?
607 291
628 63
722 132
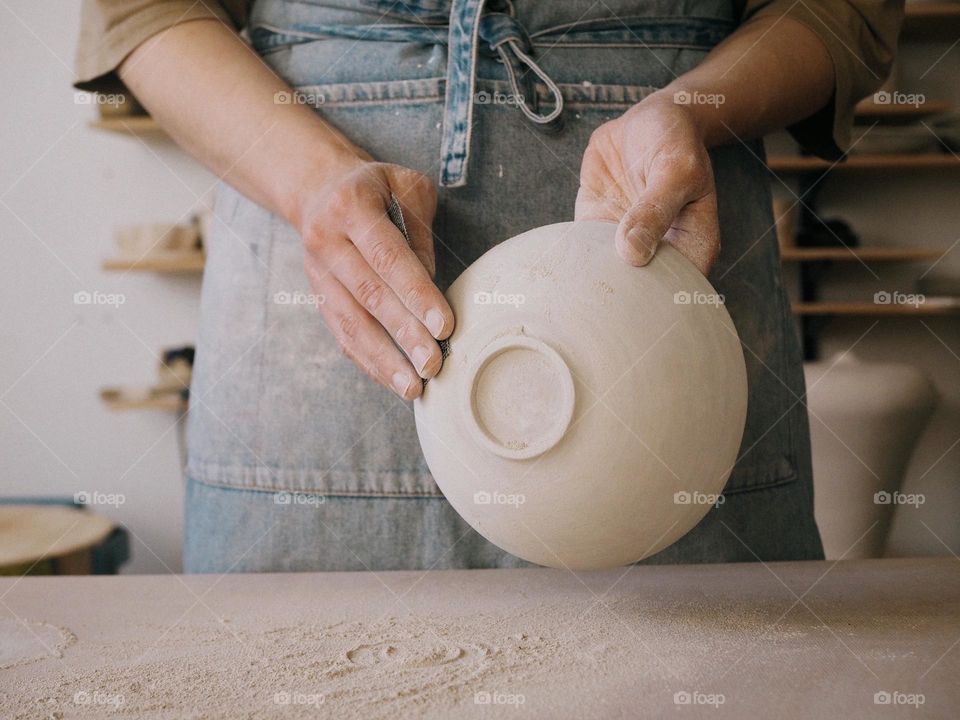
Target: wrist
702 110
315 178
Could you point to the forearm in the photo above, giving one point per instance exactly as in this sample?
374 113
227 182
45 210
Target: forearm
211 93
769 74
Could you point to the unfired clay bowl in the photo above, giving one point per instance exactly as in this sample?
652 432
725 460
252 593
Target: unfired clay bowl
588 410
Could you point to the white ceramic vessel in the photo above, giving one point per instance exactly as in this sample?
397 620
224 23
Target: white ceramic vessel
589 412
865 420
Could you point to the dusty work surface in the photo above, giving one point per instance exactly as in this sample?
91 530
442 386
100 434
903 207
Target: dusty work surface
785 640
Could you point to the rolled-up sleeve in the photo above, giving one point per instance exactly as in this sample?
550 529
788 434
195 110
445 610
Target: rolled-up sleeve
861 38
111 29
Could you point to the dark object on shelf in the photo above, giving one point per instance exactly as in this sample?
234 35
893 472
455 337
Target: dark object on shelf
171 391
176 369
816 232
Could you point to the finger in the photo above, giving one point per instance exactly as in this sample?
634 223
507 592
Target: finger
378 299
419 205
645 223
387 252
363 339
696 233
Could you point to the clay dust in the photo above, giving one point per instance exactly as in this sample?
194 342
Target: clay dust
433 665
422 665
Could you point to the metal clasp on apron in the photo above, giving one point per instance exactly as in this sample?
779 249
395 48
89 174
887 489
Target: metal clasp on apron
492 25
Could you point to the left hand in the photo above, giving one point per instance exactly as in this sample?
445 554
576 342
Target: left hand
649 171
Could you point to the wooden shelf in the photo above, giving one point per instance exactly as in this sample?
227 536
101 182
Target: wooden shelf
873 254
936 10
931 307
171 264
891 112
166 403
133 125
925 161
931 21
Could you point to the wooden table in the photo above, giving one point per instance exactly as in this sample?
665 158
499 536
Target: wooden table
49 539
856 639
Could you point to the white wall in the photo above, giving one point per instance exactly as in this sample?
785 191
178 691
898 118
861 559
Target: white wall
65 187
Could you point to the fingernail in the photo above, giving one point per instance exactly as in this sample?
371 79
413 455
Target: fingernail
420 357
401 383
639 247
435 323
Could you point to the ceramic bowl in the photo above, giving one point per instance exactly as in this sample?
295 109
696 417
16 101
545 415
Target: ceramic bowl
589 412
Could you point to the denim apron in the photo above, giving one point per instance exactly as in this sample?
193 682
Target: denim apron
297 461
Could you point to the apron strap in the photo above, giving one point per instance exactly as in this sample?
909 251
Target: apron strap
461 83
490 26
505 36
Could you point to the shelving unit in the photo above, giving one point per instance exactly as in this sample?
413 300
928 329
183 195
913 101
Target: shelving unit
789 164
813 313
131 125
861 309
900 112
923 22
841 254
167 403
932 21
174 265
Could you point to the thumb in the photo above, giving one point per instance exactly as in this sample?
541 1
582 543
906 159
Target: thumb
644 225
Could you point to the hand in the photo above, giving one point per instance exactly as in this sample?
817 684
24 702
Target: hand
649 171
380 300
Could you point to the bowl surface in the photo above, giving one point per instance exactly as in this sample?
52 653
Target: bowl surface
589 412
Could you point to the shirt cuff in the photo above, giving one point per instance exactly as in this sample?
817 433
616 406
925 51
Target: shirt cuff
861 39
109 33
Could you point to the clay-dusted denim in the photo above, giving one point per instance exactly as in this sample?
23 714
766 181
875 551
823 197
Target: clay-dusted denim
468 27
275 408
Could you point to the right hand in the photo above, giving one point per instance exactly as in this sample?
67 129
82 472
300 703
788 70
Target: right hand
379 291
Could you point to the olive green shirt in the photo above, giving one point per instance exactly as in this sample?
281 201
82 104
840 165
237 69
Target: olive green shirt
860 35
